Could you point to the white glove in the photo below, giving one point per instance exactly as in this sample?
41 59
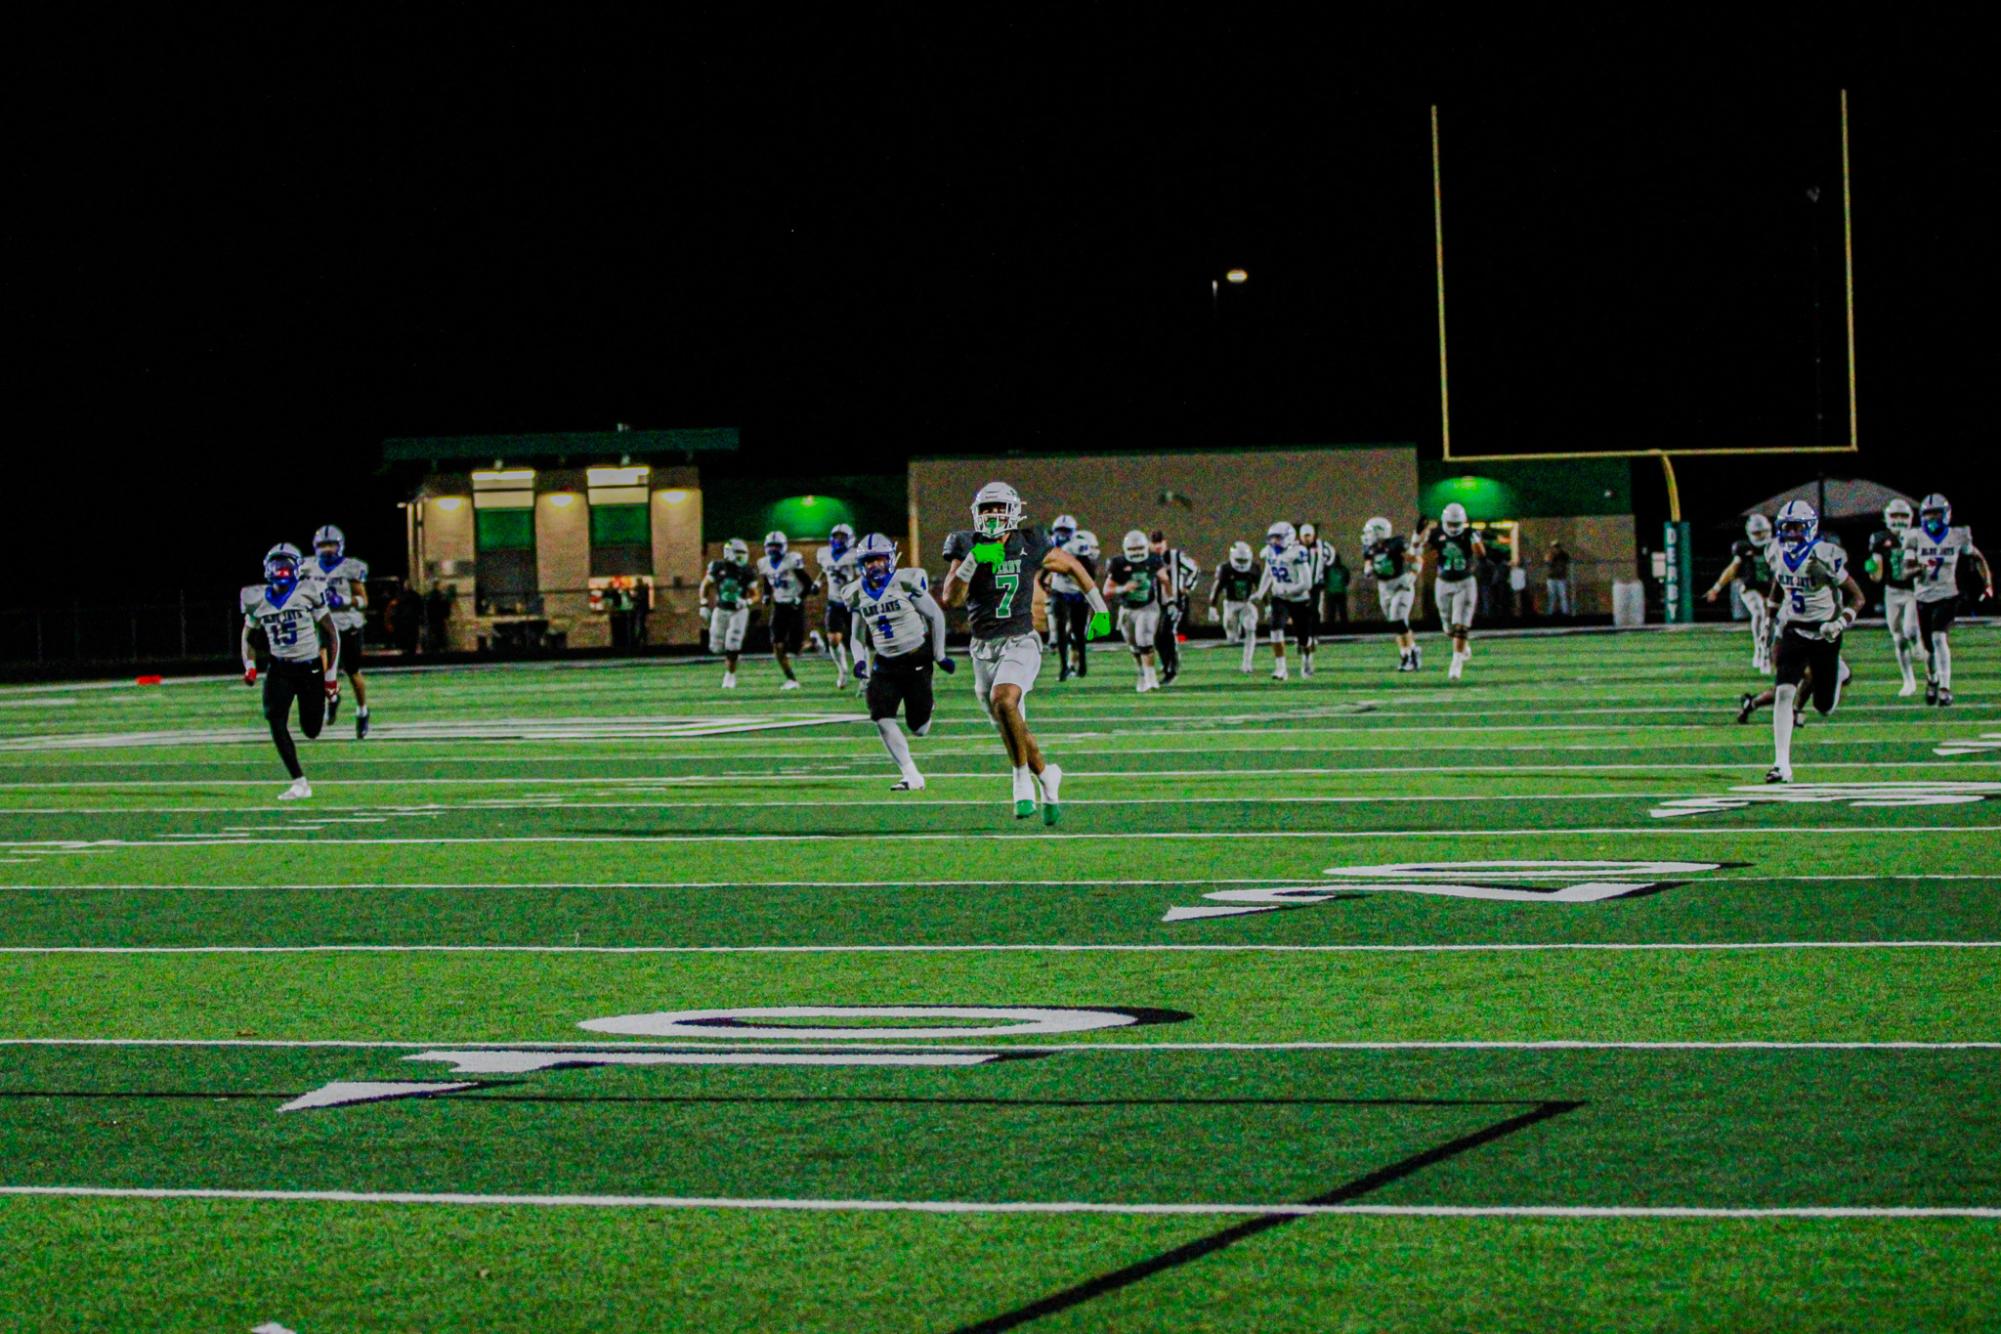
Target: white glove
1831 630
1214 615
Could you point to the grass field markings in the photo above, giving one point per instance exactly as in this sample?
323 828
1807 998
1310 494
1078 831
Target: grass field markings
1166 947
1987 741
528 729
1126 1275
1005 1206
1109 1046
1592 881
1042 836
1888 795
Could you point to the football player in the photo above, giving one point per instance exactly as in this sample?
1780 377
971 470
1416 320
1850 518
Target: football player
1063 534
1889 567
1933 551
1750 568
1458 550
344 588
304 650
733 585
837 571
1806 576
1135 578
903 629
1289 587
782 572
1237 585
1066 609
992 568
1386 558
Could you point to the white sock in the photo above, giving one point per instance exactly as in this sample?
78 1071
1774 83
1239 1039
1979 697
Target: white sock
1903 657
1051 779
1024 784
1782 726
1942 658
899 749
1250 652
362 712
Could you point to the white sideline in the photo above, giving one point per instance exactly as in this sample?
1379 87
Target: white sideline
906 883
1003 1206
1109 1047
1192 947
1675 831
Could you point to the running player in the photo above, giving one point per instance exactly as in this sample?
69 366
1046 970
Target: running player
991 568
1237 585
1889 567
304 650
1386 558
782 572
343 586
1067 611
733 584
902 629
1289 588
1458 550
1180 576
1806 576
837 571
1750 568
1135 579
1933 551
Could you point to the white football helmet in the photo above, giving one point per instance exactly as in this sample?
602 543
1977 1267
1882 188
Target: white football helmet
1935 513
1453 518
1240 556
775 543
1798 526
1281 535
1758 528
1897 515
997 510
1135 545
1063 529
1085 543
281 564
330 536
738 550
840 537
1376 530
875 549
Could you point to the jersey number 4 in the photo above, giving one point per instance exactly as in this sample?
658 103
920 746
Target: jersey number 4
884 630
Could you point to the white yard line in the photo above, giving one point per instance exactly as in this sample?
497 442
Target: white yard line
1679 830
1531 947
1004 1206
1097 1048
1004 883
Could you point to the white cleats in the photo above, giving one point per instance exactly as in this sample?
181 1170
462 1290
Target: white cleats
1779 773
1910 688
789 684
911 782
298 791
729 680
1278 675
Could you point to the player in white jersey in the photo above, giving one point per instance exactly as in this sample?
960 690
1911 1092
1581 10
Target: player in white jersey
733 584
304 649
1291 582
1456 591
1237 586
343 583
1814 599
782 571
1050 587
1934 549
902 629
837 571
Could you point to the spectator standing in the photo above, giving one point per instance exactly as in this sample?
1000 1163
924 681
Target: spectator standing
1556 580
1334 581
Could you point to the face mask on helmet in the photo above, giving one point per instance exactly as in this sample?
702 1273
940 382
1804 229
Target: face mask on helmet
1240 556
1936 516
841 538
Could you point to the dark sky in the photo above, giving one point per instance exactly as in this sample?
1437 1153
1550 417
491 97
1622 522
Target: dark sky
246 245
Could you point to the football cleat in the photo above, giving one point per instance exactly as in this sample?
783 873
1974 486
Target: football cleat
912 783
1945 697
333 708
1779 773
788 684
361 727
1747 704
298 791
1909 688
729 680
1931 692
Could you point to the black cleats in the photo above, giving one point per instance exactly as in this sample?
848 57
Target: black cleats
1778 773
1945 697
1747 704
1931 692
361 727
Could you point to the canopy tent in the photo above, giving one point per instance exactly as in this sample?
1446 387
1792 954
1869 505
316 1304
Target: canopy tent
1847 498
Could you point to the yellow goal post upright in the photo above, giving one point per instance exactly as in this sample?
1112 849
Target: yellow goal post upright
1679 599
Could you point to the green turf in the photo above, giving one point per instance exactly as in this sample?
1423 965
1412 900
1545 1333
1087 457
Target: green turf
572 812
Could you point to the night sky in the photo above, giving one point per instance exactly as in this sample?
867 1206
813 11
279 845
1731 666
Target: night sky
246 246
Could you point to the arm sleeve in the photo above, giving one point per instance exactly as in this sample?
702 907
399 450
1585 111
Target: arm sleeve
927 607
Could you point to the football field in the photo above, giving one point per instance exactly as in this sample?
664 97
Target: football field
589 995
